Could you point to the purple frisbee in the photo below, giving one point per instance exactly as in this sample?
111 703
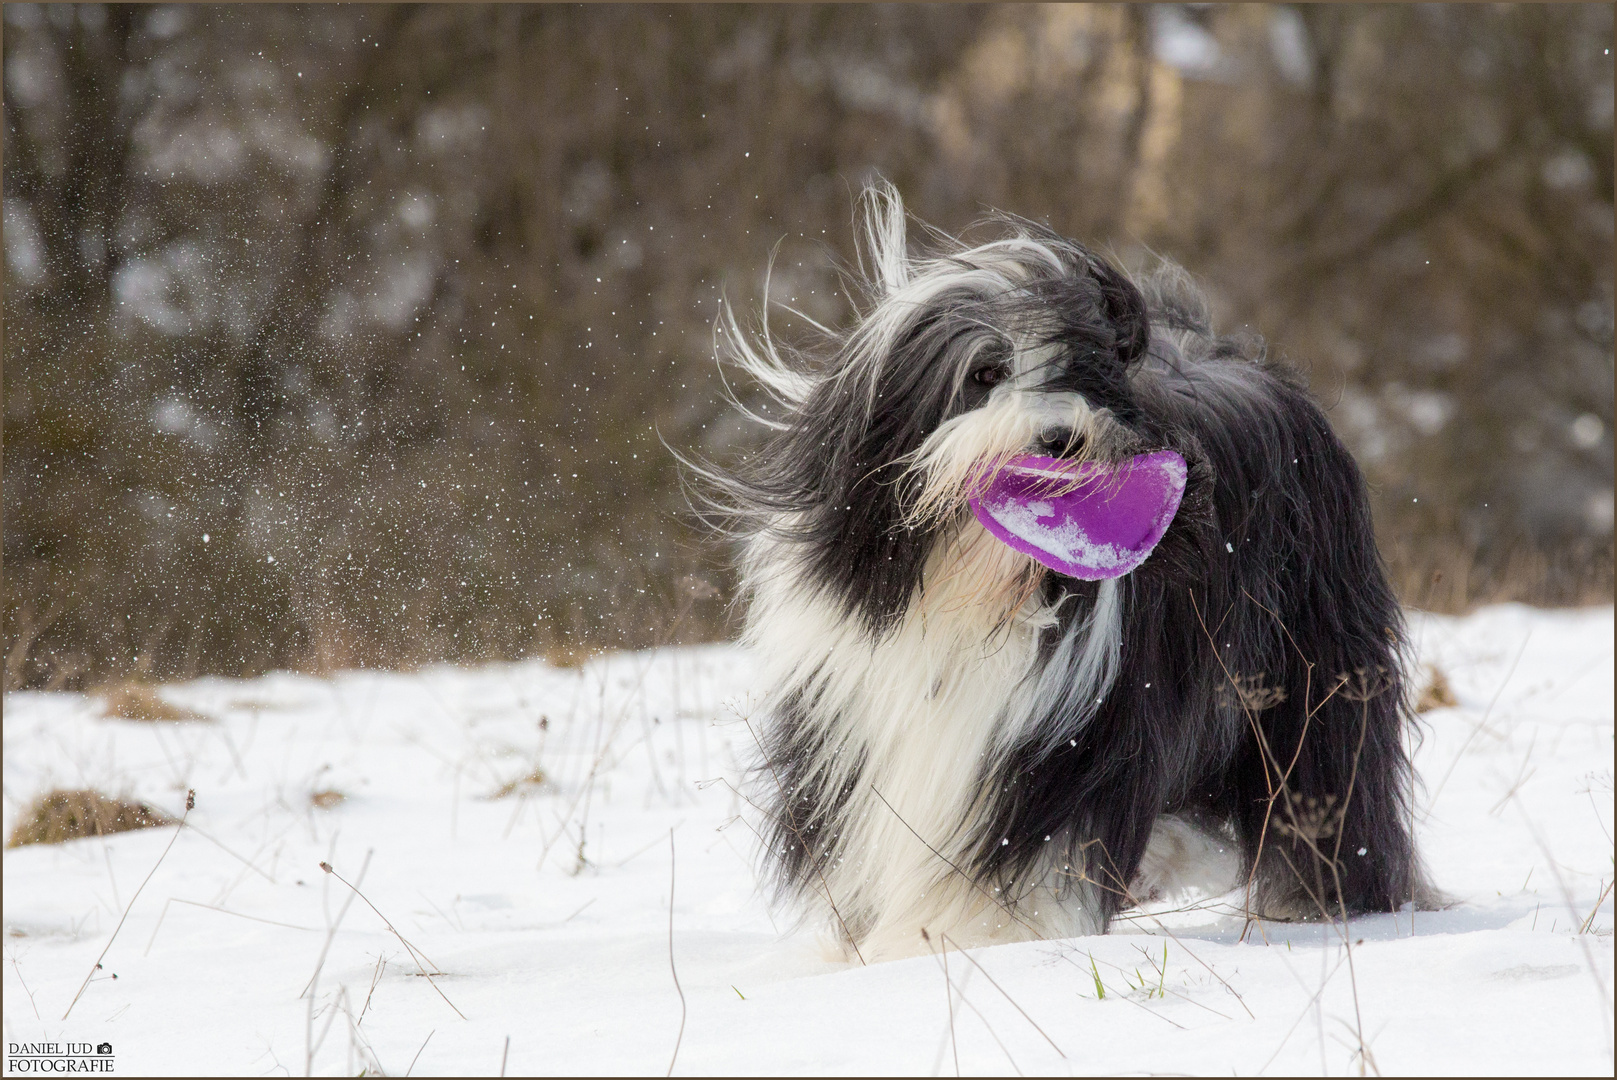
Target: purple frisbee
1087 521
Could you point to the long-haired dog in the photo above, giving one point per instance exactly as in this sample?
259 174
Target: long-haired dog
959 740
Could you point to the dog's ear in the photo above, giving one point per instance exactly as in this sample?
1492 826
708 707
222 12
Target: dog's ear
884 237
1125 309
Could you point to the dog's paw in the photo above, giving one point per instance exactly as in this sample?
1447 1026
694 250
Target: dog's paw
1292 903
1180 856
1291 907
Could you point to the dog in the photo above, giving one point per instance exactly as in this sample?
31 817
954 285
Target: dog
960 744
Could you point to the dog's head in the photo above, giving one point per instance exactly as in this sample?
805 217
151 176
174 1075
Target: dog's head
962 359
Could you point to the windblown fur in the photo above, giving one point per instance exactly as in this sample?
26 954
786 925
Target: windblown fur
960 741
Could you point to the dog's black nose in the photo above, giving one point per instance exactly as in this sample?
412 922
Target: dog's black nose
1060 442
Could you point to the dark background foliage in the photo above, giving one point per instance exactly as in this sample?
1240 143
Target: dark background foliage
351 335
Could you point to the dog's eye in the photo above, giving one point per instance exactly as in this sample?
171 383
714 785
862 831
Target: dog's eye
988 376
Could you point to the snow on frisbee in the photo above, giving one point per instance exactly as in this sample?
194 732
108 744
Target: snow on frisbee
1088 521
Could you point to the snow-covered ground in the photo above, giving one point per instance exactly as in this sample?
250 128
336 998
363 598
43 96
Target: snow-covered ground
544 909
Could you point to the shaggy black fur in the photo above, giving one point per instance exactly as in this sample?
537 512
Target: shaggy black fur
1261 684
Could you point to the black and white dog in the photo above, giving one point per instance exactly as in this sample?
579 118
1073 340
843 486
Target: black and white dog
961 741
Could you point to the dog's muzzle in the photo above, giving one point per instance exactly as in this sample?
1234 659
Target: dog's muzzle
1060 442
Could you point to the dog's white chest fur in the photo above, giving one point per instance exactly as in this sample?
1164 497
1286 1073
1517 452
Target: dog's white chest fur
910 722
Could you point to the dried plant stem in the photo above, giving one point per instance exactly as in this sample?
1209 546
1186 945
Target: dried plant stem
1583 927
1277 779
671 968
948 997
376 977
1344 929
222 911
331 931
1365 1057
1307 1008
190 801
992 1034
339 1007
1481 724
18 969
1006 996
603 747
1268 757
1581 939
423 1046
310 1045
1411 869
415 954
249 864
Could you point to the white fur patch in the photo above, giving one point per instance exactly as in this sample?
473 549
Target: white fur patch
927 710
1181 858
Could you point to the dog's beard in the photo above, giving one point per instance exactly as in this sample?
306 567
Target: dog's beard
960 459
963 456
971 570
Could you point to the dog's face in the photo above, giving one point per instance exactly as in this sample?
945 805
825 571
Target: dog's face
1036 339
962 361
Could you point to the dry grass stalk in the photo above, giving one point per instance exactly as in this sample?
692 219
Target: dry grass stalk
190 804
139 701
422 960
60 815
1585 926
423 1046
672 969
1006 996
948 996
